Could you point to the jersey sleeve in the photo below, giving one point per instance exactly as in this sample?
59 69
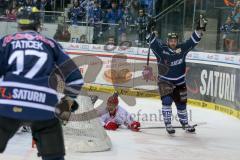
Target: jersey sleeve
155 44
123 117
103 119
191 42
72 75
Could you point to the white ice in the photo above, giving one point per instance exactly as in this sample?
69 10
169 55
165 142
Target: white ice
219 139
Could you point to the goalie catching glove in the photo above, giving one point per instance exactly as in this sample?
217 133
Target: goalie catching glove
65 107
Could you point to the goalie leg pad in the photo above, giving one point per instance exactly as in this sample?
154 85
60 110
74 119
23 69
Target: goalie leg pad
8 127
49 138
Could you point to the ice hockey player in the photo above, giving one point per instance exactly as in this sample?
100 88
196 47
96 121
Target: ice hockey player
27 61
117 116
172 85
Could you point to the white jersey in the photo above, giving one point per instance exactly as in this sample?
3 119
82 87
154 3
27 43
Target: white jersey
122 117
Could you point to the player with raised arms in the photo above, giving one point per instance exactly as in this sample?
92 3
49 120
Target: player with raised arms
172 85
27 61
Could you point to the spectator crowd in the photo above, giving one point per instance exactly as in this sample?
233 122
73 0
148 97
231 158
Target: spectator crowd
8 8
231 30
116 17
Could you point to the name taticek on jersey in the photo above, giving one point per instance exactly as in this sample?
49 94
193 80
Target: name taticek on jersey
218 84
27 44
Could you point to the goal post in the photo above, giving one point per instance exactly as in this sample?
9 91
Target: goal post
86 135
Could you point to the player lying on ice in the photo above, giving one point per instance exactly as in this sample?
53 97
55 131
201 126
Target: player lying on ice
172 83
27 61
117 116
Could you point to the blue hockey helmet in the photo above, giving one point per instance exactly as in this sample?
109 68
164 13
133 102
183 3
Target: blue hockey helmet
28 18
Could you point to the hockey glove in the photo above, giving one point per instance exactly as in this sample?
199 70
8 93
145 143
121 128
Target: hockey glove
202 23
111 126
135 126
65 107
151 25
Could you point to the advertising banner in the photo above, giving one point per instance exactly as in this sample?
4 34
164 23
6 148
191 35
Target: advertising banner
213 83
109 70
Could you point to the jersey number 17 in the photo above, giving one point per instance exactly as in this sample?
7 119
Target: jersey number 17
20 55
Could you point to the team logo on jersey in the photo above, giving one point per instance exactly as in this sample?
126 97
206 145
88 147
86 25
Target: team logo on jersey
4 93
178 51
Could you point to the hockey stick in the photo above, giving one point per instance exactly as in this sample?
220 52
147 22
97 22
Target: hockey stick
163 127
167 10
149 49
160 15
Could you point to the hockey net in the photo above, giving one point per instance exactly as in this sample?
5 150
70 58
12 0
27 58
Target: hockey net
86 135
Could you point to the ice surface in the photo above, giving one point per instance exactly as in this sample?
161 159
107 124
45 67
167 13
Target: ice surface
219 139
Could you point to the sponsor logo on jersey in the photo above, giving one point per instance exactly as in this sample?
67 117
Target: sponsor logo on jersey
177 62
218 84
17 109
27 95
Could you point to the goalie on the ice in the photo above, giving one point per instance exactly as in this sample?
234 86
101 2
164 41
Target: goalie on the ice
117 116
172 83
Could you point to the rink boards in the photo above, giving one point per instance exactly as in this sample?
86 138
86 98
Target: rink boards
212 79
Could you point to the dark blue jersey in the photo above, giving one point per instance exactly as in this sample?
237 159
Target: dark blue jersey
26 63
174 59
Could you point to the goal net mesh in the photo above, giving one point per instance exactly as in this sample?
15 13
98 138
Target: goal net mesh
86 135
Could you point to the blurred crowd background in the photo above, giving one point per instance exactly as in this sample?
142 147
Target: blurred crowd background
121 21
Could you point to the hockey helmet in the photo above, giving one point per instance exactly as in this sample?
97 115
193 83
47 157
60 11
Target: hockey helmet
28 18
112 102
172 35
